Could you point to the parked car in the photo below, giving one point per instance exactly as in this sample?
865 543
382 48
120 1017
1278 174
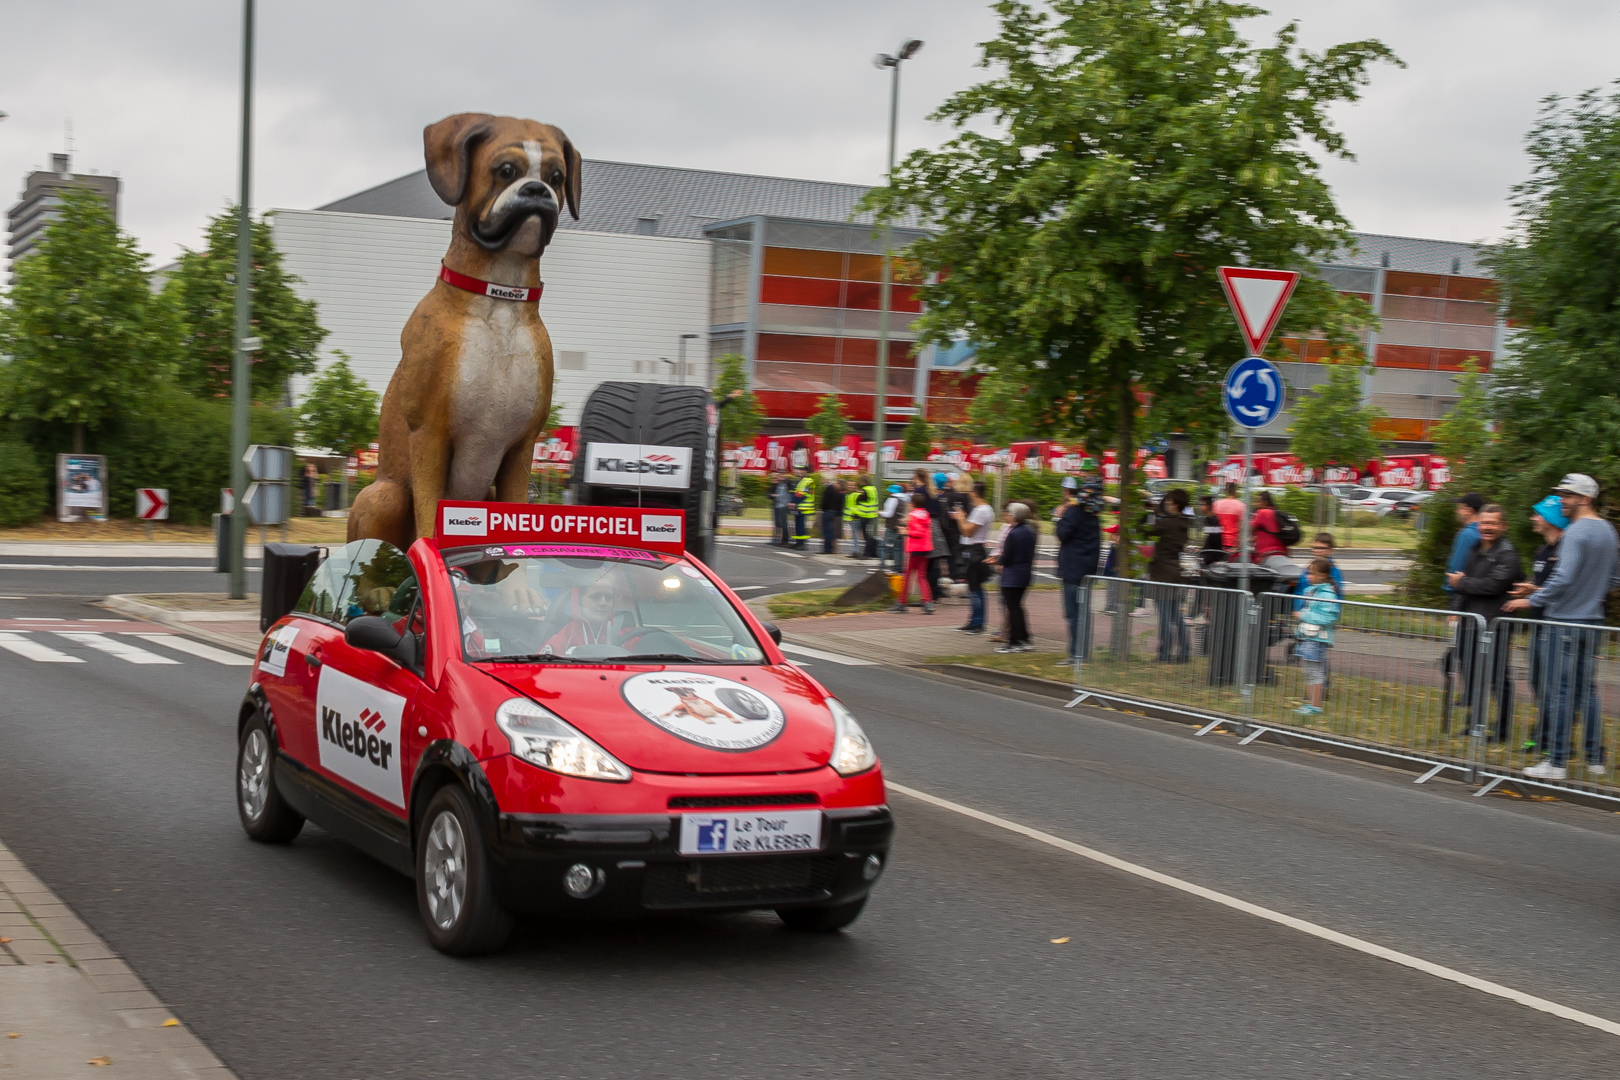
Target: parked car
1375 500
1407 506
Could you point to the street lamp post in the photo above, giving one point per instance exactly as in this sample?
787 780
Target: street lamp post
241 381
883 60
684 339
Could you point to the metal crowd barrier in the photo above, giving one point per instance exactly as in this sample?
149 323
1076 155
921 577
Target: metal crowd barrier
1395 681
1553 694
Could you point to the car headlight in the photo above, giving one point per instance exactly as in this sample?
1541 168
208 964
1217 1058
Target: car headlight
541 737
852 750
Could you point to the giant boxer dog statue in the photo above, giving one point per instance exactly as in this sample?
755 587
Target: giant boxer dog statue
473 387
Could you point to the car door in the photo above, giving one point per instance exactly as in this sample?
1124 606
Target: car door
361 696
291 655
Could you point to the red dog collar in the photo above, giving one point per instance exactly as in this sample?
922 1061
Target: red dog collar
489 288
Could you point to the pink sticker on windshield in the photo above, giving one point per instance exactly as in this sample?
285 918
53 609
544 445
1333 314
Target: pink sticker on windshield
573 551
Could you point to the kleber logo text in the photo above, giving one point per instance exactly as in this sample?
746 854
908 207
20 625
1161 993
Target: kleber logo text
360 738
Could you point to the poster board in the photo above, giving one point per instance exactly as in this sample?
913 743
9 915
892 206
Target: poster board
81 487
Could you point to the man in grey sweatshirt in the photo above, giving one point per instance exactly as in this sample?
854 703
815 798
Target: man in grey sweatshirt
1588 569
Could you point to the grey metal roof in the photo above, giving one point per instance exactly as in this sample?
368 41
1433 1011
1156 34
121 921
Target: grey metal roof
618 196
1413 254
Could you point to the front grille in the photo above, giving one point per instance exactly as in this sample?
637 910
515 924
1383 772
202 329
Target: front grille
744 879
707 802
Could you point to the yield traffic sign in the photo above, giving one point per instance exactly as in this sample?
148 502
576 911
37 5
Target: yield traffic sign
152 504
1257 298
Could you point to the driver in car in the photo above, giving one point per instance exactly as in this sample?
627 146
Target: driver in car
593 623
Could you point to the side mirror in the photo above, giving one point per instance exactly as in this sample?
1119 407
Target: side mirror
776 634
373 634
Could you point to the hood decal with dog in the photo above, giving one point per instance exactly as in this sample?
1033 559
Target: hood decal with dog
704 710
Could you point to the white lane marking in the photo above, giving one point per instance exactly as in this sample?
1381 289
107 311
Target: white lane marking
852 661
1439 971
33 650
835 573
38 618
197 648
792 555
118 569
113 647
10 598
748 588
805 580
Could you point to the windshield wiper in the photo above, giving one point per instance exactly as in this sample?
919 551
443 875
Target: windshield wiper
536 658
678 658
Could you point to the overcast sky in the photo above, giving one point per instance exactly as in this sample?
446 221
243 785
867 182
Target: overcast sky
760 86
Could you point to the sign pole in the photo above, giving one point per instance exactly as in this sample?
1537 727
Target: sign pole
241 379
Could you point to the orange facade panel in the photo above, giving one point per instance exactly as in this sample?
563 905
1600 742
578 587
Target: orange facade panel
837 265
810 349
1402 430
1422 358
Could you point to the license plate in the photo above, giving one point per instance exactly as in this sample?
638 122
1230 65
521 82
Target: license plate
751 833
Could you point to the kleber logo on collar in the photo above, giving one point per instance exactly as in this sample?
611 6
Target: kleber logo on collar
490 288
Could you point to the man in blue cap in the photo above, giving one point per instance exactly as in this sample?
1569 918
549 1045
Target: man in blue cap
1548 520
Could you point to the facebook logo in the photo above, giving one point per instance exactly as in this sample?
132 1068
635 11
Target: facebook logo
712 836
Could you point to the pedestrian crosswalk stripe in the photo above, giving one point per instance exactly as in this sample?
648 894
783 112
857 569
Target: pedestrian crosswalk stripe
113 647
28 648
197 648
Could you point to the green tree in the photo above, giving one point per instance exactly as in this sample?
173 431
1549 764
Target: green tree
741 420
918 440
1121 151
83 338
340 410
24 490
830 423
204 289
999 413
1464 434
1331 424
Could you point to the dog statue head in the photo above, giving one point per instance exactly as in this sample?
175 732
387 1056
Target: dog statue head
507 178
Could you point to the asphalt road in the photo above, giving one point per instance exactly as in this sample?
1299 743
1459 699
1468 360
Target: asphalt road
308 960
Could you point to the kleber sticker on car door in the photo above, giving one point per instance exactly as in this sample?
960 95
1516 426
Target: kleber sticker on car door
358 731
277 645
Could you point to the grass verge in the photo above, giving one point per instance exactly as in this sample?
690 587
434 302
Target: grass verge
805 605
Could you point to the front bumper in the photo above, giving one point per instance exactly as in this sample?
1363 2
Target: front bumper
639 868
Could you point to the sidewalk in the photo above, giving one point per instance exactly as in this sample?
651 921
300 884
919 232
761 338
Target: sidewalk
210 617
68 1004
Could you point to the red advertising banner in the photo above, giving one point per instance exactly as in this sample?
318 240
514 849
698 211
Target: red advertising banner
557 447
467 524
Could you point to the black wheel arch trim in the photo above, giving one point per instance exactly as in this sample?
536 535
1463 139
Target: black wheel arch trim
255 700
447 755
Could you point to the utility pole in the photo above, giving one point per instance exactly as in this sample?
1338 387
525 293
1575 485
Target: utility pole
880 404
241 380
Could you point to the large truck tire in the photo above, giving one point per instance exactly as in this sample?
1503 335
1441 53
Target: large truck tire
655 414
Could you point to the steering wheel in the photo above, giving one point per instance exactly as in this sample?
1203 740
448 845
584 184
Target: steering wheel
651 639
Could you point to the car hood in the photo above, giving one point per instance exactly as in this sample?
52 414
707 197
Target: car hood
701 719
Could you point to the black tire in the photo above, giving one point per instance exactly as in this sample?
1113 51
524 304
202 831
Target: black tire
654 414
265 815
822 920
477 924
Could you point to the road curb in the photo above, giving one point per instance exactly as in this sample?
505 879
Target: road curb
42 932
129 605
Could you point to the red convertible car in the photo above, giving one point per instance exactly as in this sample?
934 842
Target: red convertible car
554 710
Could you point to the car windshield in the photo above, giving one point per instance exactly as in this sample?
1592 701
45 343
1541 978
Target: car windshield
539 605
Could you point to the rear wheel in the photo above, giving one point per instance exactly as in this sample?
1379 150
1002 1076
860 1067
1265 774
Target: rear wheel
822 920
266 817
454 889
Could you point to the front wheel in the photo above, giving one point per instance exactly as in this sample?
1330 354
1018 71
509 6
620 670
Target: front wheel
822 920
266 817
454 889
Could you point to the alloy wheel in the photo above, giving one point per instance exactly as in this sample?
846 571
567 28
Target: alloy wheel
253 774
444 865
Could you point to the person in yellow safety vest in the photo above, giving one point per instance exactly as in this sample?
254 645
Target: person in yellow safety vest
804 505
861 510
